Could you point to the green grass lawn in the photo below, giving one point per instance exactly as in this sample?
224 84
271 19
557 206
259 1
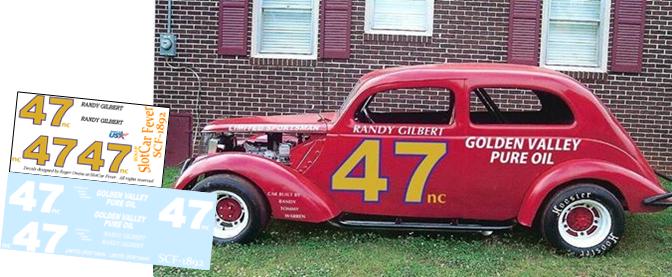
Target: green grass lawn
296 249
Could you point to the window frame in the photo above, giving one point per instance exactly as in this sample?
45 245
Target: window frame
256 34
509 125
368 22
603 40
368 99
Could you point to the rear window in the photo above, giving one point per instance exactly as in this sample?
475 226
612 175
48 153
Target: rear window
518 106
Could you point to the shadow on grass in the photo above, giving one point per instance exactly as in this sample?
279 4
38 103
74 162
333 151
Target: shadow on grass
301 230
303 249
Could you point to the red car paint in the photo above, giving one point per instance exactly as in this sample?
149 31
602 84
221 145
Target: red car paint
464 183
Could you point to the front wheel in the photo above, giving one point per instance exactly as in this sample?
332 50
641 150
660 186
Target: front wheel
241 211
583 220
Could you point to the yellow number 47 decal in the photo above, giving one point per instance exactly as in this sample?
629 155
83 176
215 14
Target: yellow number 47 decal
38 150
432 152
34 109
91 156
372 183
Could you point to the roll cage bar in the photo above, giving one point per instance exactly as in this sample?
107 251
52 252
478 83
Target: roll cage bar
489 104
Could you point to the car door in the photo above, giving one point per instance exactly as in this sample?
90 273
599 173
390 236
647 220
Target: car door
525 131
392 154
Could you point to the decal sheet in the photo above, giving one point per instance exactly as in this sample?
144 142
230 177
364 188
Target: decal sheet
89 139
108 221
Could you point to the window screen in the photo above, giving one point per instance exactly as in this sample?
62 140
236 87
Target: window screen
574 32
400 15
286 27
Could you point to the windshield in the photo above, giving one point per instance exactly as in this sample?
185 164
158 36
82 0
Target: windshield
349 99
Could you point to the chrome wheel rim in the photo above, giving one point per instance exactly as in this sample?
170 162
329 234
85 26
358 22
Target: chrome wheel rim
584 223
231 215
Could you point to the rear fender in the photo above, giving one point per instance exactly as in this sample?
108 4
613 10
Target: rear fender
291 195
633 187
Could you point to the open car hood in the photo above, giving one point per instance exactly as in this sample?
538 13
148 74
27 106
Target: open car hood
302 123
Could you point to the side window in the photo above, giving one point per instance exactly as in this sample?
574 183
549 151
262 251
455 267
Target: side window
517 106
414 106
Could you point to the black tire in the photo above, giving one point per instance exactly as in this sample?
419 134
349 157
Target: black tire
574 208
257 211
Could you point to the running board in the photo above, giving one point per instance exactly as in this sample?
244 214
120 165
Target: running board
424 226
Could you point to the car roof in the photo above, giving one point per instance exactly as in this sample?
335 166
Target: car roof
484 75
459 69
511 73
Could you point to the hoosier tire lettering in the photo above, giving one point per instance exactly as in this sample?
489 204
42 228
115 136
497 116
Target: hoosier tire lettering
559 207
600 249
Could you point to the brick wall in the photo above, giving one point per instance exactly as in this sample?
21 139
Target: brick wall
412 101
464 31
507 100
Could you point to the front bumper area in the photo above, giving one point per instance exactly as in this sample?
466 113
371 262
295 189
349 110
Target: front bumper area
659 200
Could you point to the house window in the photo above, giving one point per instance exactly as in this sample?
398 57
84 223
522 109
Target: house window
405 17
285 29
575 35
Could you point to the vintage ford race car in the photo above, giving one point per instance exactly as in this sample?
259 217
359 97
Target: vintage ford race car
453 147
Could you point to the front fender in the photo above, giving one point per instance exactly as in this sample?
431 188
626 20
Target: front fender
634 187
291 195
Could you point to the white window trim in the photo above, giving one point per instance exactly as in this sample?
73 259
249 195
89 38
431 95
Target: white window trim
256 31
368 18
603 51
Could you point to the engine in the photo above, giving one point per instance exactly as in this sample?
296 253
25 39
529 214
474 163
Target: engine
273 146
262 149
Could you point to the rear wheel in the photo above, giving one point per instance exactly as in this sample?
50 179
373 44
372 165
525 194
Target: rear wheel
241 212
583 220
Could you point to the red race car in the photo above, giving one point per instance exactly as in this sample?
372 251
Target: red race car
453 147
